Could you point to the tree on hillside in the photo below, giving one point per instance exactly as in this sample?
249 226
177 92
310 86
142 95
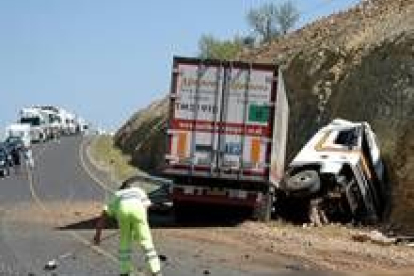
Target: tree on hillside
286 17
271 20
262 21
211 47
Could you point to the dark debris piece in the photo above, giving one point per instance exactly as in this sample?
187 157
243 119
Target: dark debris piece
163 258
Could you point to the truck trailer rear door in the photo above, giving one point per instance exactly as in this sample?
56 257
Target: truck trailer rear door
221 119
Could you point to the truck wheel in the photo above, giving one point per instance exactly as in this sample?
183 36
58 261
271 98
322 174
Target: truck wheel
307 180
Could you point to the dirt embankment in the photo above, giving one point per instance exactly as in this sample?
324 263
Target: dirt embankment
356 65
143 136
328 249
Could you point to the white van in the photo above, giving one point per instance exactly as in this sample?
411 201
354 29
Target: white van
21 131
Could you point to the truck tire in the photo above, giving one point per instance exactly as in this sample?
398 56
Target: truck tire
306 180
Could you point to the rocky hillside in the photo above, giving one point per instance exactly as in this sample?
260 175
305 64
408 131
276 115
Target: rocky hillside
143 136
357 65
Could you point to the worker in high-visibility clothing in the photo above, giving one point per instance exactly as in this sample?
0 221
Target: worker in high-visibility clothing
129 206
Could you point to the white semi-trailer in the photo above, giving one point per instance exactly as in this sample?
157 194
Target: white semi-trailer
53 121
227 133
61 119
68 120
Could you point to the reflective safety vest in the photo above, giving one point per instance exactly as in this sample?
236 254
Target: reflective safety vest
129 194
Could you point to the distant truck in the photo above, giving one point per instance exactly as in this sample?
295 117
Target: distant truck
82 125
69 123
62 122
340 173
39 129
53 122
226 134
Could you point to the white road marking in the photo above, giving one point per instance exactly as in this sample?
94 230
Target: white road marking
88 171
74 235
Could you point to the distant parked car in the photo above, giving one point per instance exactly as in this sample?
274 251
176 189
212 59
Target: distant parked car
15 146
21 131
14 142
5 161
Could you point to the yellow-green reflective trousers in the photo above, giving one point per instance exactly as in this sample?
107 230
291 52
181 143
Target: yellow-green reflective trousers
133 225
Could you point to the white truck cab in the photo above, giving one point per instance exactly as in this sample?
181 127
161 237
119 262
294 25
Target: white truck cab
340 171
37 122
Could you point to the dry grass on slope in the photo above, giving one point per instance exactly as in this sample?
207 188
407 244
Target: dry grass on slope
109 158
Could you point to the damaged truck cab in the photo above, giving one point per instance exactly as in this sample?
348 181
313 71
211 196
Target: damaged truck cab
341 173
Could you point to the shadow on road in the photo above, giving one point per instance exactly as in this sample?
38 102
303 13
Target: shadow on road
88 224
197 217
164 218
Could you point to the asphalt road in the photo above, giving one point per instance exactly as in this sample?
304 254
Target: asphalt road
34 205
48 214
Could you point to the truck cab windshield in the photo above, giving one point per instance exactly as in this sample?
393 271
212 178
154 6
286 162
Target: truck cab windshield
32 121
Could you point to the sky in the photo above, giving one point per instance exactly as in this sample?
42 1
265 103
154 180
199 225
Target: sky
106 59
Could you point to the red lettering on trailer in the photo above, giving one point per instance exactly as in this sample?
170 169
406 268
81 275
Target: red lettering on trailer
223 128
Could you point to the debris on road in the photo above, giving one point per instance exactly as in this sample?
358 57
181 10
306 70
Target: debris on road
295 267
163 258
379 238
375 237
51 265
